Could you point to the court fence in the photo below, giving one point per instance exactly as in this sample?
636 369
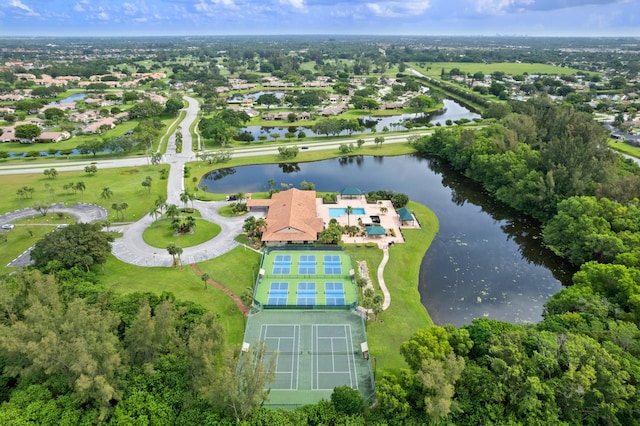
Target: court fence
259 307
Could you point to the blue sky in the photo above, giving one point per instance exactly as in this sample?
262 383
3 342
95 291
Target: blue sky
397 17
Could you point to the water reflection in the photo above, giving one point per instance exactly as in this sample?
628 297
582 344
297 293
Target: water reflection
219 174
289 167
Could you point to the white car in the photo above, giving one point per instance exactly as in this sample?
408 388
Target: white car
8 226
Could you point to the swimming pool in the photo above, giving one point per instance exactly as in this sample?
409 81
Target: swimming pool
340 211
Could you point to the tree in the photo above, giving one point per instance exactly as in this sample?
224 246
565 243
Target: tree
349 212
185 196
80 186
26 192
27 131
246 390
92 146
91 169
156 157
205 277
146 109
378 141
347 401
175 253
42 208
72 348
399 200
146 183
268 99
51 173
83 245
106 193
172 211
173 105
190 223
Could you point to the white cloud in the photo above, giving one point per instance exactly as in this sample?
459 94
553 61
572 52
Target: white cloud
211 6
102 14
500 7
129 9
23 7
296 4
392 9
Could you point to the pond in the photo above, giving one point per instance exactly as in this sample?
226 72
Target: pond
72 98
486 261
451 111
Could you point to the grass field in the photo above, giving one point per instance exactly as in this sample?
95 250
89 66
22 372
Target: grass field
19 239
633 151
433 69
231 269
406 314
159 234
125 184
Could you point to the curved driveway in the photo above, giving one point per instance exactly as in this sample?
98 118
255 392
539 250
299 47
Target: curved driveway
131 248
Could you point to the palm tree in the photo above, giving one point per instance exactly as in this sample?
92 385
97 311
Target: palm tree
184 197
174 251
124 207
176 224
172 211
117 208
106 193
155 212
190 223
205 277
160 202
349 210
80 186
260 226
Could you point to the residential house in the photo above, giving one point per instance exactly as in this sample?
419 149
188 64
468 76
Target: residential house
52 136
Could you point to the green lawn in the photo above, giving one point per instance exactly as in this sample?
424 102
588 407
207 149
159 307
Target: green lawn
125 184
406 314
159 234
621 146
185 285
18 240
434 69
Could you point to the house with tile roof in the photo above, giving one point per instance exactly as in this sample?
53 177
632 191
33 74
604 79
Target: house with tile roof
291 217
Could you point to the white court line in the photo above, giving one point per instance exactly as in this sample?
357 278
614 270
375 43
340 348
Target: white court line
351 356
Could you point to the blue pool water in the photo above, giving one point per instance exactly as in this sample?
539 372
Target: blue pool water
339 211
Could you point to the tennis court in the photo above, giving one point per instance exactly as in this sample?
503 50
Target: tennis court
310 278
315 351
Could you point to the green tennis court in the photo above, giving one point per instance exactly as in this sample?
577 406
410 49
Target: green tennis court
315 350
309 278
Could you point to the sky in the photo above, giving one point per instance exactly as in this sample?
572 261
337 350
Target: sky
366 17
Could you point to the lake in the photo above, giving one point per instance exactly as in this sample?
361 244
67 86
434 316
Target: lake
486 261
451 111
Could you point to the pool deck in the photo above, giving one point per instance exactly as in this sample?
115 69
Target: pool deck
389 220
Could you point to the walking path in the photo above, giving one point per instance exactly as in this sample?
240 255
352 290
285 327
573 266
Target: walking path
383 286
241 306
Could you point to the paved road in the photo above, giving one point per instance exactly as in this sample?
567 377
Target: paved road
131 248
82 212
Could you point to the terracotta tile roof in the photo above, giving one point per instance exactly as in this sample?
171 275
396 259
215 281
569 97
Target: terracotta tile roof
292 217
